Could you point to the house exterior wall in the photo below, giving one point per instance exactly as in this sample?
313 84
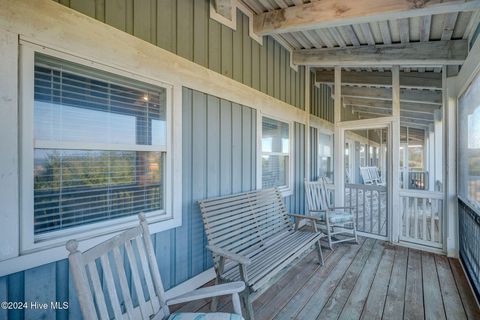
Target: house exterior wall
219 147
184 28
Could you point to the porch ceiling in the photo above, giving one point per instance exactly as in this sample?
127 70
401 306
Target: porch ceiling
352 25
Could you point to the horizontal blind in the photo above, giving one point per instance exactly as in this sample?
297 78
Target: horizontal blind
275 153
80 106
74 103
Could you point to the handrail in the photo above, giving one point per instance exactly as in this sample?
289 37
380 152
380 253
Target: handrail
365 187
421 194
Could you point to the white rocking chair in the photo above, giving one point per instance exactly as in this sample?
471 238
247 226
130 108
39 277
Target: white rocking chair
336 220
150 301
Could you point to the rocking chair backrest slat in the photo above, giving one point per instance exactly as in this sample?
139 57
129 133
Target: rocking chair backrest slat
106 259
317 197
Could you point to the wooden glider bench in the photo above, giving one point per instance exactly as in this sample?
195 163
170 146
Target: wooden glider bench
252 239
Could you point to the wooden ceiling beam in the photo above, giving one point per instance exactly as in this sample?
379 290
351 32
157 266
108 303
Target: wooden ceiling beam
433 53
334 13
382 104
422 80
406 95
404 113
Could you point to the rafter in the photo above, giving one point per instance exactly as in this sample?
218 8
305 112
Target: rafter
333 13
434 53
387 105
422 80
406 95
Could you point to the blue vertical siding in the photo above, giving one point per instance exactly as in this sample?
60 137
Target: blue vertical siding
219 158
313 154
321 100
295 203
185 28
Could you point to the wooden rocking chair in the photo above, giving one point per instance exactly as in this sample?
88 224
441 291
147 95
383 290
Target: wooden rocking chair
149 301
336 220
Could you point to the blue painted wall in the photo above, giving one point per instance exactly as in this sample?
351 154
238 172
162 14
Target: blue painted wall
219 158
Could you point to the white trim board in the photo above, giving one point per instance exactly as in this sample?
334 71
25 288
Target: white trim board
52 25
232 24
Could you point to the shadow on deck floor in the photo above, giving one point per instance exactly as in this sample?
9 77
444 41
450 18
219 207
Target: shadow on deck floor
369 280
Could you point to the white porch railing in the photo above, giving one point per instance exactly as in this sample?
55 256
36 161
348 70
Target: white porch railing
422 217
369 203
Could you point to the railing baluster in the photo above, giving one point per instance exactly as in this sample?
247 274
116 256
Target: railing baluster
424 219
371 211
363 212
379 207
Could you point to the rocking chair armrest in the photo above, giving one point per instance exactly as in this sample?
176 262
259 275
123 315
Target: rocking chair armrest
301 216
230 255
209 292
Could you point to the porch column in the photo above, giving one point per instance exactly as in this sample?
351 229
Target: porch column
339 176
431 158
394 166
438 148
451 201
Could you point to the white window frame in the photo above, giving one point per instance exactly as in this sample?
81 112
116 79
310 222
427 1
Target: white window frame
288 189
91 234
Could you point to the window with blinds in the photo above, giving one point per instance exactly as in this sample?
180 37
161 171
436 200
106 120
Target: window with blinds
99 145
275 153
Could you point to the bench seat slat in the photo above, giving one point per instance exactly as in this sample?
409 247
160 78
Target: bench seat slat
268 259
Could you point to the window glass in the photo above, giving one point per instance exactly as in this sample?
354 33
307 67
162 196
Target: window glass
469 143
275 153
99 145
325 154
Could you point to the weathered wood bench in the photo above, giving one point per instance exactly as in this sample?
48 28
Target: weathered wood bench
252 239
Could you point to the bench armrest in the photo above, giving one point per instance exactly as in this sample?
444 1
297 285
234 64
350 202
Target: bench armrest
209 292
230 255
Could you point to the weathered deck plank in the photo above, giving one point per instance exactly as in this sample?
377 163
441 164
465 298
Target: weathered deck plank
378 292
451 298
335 304
356 301
414 289
431 288
293 307
369 280
468 300
396 290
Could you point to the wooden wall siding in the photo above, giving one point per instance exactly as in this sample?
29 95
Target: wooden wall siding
313 154
296 202
321 101
184 28
219 158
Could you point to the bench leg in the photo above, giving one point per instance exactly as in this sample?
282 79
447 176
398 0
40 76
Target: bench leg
247 304
320 254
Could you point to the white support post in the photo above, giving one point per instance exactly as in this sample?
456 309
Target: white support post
431 158
394 167
451 202
438 124
339 147
307 123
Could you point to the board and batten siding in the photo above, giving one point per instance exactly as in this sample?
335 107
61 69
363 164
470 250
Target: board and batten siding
185 28
313 154
321 100
219 158
295 203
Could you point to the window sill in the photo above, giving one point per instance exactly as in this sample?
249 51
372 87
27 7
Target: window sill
32 259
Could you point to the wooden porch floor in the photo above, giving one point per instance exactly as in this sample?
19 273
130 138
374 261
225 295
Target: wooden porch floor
369 280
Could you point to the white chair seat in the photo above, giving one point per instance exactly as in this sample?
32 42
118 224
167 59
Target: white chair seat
205 316
338 217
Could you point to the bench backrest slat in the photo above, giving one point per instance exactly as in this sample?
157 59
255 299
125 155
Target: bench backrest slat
243 222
